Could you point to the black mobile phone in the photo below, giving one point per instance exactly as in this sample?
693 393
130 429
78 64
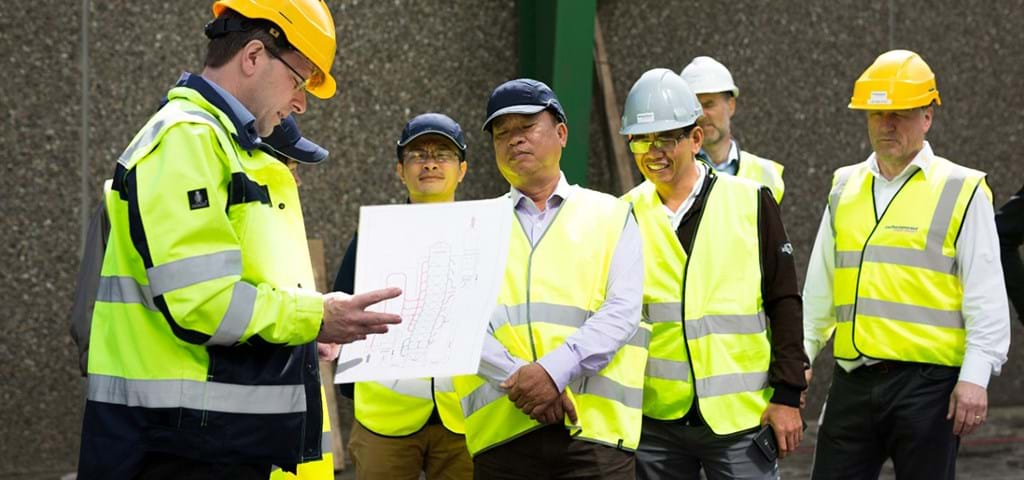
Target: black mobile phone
766 443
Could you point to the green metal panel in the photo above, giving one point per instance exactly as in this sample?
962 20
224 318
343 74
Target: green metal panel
556 46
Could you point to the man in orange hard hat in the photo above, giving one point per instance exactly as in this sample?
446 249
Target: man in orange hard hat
905 272
202 354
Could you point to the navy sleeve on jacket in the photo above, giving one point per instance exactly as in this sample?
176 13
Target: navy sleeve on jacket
1010 225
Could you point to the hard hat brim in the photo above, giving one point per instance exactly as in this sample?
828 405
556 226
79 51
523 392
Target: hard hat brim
653 127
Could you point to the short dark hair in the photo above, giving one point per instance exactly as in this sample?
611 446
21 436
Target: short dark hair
224 46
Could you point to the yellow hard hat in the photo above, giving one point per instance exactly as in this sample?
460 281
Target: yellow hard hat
898 80
307 25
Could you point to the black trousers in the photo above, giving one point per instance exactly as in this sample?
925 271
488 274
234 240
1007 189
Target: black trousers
159 466
549 453
889 410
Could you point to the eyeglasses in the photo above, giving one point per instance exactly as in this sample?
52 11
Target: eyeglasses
643 145
422 156
302 81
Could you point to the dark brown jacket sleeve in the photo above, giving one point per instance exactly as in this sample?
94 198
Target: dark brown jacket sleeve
782 304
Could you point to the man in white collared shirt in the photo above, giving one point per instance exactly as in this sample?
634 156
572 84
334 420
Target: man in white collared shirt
717 93
905 272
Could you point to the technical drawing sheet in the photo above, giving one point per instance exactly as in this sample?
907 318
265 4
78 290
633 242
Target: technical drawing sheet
449 261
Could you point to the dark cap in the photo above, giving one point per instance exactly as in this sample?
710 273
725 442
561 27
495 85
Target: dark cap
435 123
288 141
522 95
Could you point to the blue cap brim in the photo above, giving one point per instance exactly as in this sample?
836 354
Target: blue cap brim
304 151
520 109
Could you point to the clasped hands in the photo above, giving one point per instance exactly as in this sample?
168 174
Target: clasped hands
534 392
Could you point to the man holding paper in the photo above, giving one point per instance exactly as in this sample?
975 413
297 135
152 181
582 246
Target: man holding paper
410 426
559 391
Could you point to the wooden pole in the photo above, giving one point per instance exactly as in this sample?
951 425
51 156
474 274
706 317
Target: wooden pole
316 255
621 161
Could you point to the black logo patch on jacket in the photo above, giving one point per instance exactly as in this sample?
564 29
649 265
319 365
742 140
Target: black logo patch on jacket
198 199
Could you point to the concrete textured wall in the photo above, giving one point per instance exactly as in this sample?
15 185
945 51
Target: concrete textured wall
794 64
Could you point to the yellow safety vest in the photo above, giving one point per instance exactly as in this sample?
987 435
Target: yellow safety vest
896 292
718 345
549 291
206 303
402 407
763 171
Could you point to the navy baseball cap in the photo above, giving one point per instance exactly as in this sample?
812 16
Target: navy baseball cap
288 141
435 123
522 95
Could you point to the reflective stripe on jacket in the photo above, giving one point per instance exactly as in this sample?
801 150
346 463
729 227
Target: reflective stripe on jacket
206 309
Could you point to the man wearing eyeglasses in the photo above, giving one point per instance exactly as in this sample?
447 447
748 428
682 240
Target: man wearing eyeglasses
558 390
407 427
202 355
714 87
720 294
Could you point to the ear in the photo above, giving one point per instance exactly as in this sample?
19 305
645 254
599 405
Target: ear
400 172
732 105
696 139
563 133
462 170
929 113
251 57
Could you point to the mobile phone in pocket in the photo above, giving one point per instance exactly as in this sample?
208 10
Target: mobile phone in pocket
766 443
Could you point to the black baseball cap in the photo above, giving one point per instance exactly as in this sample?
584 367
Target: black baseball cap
287 140
436 123
524 96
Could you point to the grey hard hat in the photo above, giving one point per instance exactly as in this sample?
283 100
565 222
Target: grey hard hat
658 102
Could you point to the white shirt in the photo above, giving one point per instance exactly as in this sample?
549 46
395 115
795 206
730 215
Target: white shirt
985 310
676 217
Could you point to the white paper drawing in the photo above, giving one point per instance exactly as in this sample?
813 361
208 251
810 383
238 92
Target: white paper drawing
449 260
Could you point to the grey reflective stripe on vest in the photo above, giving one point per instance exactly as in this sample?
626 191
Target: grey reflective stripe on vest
670 312
910 257
641 338
844 313
597 385
124 290
910 313
725 325
147 138
207 396
731 383
604 387
943 214
480 398
833 197
668 369
663 312
237 317
326 443
192 270
444 384
412 387
519 315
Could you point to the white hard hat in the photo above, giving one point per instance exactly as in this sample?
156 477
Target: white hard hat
707 75
658 102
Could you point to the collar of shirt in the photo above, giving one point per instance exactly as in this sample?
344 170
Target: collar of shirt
921 162
676 217
731 163
524 204
243 120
